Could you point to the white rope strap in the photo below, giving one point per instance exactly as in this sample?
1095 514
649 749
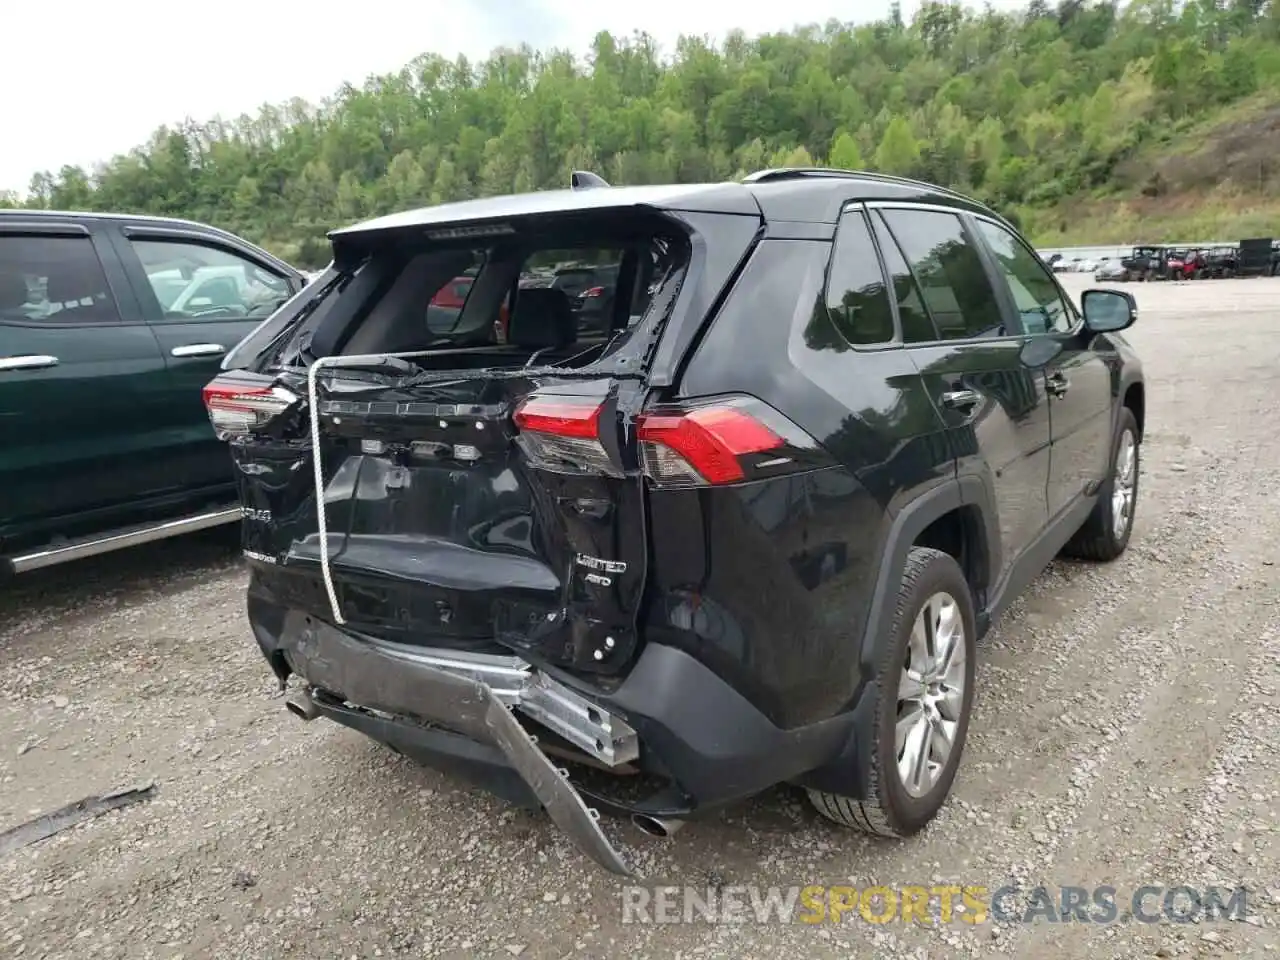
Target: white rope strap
322 521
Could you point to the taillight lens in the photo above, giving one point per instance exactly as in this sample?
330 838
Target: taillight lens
562 434
236 408
703 445
593 293
562 418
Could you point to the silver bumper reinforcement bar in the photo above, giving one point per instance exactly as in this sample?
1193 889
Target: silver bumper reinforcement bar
475 696
517 684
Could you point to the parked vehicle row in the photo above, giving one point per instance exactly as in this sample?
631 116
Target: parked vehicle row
1147 263
109 328
1150 263
747 530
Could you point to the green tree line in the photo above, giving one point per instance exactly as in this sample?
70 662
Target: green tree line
1022 109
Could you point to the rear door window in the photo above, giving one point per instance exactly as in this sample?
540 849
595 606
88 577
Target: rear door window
916 325
55 280
953 280
192 281
857 301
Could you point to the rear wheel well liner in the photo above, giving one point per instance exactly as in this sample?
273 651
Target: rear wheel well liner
959 533
1135 398
949 512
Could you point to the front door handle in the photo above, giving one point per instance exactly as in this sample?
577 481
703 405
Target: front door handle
32 361
961 399
1057 384
199 350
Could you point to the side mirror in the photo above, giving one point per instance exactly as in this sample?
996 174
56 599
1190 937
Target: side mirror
1108 311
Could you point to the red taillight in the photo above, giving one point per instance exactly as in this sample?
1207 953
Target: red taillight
236 409
707 444
562 418
593 292
562 434
703 445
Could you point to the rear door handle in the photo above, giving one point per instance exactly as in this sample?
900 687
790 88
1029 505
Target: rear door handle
199 350
1057 384
961 399
33 361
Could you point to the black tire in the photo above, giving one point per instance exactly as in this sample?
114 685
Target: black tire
889 810
1098 539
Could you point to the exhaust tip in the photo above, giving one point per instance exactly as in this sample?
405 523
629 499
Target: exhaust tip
655 826
301 706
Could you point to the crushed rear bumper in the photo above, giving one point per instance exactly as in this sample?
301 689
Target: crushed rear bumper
345 670
672 717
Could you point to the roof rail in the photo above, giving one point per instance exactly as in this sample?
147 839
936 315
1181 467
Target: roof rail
797 173
585 180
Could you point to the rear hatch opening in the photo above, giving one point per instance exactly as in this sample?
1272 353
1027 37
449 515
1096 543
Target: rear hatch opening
480 485
481 481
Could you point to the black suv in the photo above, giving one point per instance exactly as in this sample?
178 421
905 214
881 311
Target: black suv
747 535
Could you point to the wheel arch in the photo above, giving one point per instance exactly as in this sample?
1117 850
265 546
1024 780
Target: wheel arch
957 504
953 517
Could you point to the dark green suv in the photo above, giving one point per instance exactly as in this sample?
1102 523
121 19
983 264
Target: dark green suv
109 328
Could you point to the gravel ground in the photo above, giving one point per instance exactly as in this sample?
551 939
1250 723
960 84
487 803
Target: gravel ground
1126 733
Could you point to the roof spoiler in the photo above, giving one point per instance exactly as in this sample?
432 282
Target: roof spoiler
585 180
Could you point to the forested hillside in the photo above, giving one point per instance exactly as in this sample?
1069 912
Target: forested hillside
1079 119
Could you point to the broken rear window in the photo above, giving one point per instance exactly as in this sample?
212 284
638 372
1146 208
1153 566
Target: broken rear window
565 293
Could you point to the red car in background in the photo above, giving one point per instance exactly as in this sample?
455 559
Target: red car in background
1184 264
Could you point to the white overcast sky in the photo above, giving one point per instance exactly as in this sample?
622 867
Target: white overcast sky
81 81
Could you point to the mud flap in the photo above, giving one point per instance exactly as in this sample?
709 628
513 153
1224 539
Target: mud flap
361 674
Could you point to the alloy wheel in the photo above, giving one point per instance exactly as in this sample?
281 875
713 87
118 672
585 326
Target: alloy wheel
931 694
1124 484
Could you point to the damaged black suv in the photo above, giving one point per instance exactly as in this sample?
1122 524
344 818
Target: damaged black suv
745 531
